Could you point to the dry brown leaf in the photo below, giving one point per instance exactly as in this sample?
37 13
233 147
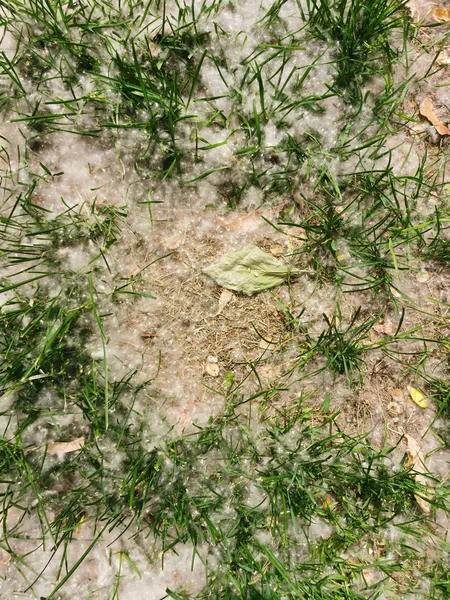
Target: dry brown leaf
153 49
225 297
394 409
369 575
5 557
419 10
330 503
134 270
397 395
411 5
441 15
426 109
443 59
96 168
187 414
264 344
173 243
276 250
385 327
442 129
244 222
38 200
65 447
268 371
147 335
423 276
417 460
417 129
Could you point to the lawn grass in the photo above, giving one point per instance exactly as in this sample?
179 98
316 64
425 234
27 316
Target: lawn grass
304 103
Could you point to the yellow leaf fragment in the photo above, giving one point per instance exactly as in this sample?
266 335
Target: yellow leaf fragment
426 109
417 460
441 14
417 396
77 529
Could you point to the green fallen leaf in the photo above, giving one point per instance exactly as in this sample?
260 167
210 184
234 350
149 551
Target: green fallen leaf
249 270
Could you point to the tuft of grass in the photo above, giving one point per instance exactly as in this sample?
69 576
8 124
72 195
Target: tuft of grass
361 31
342 346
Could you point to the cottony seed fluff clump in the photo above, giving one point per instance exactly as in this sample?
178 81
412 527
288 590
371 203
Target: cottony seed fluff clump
224 300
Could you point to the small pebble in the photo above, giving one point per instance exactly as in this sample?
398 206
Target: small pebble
212 366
